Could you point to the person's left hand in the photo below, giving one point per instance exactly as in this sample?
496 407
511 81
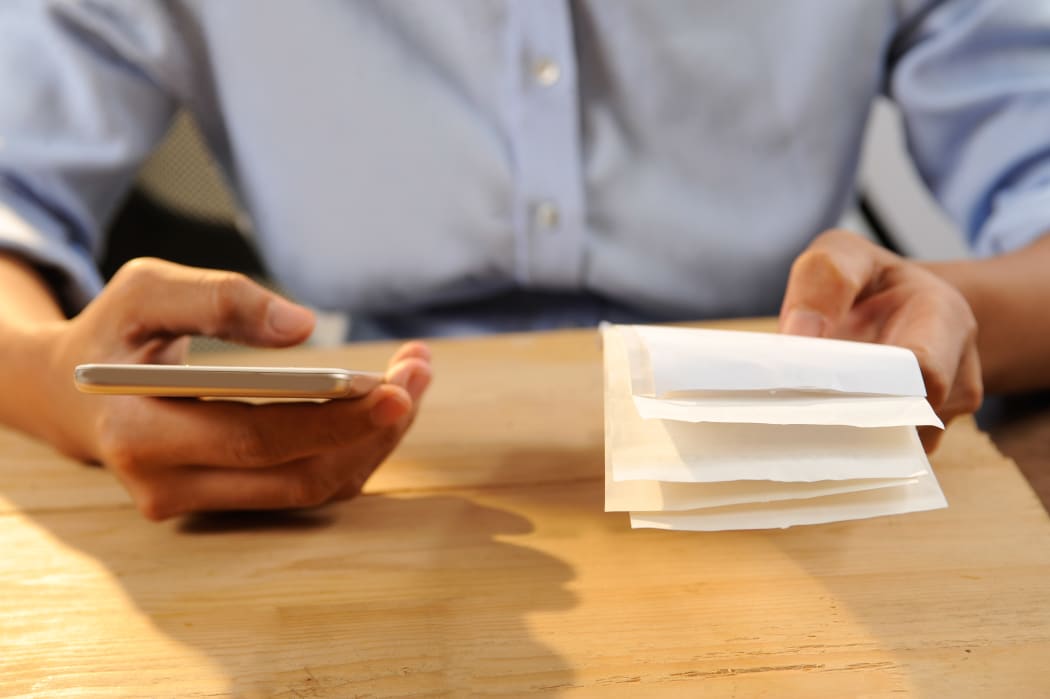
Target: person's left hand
845 287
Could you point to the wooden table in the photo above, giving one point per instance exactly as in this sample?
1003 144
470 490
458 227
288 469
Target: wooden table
1020 428
480 561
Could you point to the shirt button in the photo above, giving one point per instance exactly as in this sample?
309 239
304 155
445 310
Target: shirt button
546 215
546 72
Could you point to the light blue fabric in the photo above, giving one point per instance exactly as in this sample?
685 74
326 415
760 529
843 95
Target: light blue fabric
662 158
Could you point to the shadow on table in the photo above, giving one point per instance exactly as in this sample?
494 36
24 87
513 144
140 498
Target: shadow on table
405 595
951 615
1020 427
894 605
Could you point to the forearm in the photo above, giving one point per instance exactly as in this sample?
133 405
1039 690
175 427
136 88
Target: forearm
25 298
1010 297
29 316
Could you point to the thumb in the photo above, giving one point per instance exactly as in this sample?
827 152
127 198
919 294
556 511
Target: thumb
159 298
826 280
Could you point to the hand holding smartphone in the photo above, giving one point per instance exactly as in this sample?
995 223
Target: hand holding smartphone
172 380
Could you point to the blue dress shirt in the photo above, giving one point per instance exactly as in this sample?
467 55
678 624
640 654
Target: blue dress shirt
521 163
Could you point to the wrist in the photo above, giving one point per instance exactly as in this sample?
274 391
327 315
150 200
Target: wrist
965 277
28 371
1007 295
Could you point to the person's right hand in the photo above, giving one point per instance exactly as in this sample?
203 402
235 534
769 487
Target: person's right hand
177 456
846 287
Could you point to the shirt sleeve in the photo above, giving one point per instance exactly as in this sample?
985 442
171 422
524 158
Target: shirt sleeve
85 94
972 78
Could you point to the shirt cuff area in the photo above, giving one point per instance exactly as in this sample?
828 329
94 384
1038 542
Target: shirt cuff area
1019 215
42 242
1015 227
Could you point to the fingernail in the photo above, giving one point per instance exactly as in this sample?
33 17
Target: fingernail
418 383
803 322
420 350
288 319
400 377
388 411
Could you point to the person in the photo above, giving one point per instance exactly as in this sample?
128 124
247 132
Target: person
488 165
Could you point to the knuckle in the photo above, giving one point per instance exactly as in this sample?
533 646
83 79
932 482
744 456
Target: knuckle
355 481
139 278
936 390
972 395
119 453
310 489
839 238
143 265
931 437
250 446
72 446
333 430
227 290
959 310
937 385
140 271
389 438
820 268
124 456
154 504
122 459
967 312
834 234
353 487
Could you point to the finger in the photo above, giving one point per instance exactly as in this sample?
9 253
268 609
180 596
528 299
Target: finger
937 328
411 349
826 280
188 300
163 351
154 434
944 343
200 489
304 483
930 438
968 390
963 399
411 373
414 374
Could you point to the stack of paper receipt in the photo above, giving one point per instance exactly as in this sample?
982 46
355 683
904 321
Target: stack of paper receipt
716 429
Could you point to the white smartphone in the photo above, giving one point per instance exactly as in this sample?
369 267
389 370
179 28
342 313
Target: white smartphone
173 380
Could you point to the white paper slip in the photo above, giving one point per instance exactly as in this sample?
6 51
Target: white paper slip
925 494
639 449
791 408
664 450
687 359
710 456
709 452
626 496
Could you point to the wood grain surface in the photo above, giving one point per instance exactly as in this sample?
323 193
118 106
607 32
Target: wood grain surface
480 562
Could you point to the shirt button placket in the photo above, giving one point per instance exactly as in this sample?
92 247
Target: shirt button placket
547 150
546 215
546 72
